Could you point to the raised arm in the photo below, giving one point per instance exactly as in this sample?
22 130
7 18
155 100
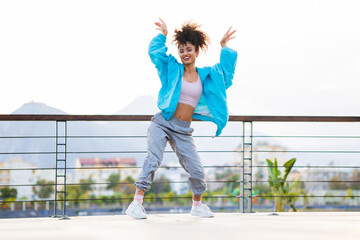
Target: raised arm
158 52
228 58
157 47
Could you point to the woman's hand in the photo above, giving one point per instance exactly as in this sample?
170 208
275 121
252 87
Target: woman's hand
227 37
162 27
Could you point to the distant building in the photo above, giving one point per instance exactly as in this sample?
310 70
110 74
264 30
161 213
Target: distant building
321 186
18 177
321 175
12 176
262 150
100 170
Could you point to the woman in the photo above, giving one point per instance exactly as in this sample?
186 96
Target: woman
186 92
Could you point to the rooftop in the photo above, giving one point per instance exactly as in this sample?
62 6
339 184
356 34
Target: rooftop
287 225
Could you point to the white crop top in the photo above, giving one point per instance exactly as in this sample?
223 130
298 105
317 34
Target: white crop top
190 92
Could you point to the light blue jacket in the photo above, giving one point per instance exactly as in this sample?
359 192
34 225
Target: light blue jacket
215 80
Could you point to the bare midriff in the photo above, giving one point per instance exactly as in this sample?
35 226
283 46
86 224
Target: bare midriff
184 112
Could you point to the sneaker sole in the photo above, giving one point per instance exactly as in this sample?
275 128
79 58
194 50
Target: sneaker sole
197 214
135 216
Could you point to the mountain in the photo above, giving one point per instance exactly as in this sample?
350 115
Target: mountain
76 131
142 105
37 108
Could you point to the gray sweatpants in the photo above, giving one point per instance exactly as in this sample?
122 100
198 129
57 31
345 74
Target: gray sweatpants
179 134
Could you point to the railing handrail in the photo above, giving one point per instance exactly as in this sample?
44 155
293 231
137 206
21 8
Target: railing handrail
235 118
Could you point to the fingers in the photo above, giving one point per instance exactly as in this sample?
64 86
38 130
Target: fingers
161 23
228 35
227 32
232 33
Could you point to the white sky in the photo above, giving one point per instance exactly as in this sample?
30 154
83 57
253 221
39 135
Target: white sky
90 57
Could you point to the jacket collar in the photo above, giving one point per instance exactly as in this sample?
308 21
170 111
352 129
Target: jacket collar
203 73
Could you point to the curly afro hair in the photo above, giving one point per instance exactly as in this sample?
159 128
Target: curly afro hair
190 32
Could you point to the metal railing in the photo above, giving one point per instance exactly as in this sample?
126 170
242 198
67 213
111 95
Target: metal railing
244 168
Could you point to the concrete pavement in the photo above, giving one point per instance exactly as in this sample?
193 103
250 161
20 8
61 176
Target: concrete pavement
289 225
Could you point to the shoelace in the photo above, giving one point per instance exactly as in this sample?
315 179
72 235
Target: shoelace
206 207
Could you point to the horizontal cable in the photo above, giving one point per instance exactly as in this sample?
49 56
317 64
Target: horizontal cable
24 153
110 199
169 182
332 181
264 166
103 152
299 136
20 137
304 196
176 197
104 183
147 118
199 136
307 151
119 136
166 167
201 151
101 168
53 168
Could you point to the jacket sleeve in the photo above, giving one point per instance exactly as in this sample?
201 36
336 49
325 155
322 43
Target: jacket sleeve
227 64
157 52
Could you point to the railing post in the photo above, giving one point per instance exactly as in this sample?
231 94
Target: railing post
60 171
246 170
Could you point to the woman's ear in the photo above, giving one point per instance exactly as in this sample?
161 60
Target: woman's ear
197 53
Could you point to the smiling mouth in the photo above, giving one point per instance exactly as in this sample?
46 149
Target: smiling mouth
186 58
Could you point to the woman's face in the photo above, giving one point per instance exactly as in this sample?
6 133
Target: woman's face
187 53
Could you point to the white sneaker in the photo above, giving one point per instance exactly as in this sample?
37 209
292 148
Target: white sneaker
136 210
201 211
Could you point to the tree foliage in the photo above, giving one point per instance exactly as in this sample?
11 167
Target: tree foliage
80 191
356 178
161 185
125 187
44 188
113 182
337 184
8 194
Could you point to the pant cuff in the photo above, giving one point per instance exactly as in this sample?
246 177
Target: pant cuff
143 187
